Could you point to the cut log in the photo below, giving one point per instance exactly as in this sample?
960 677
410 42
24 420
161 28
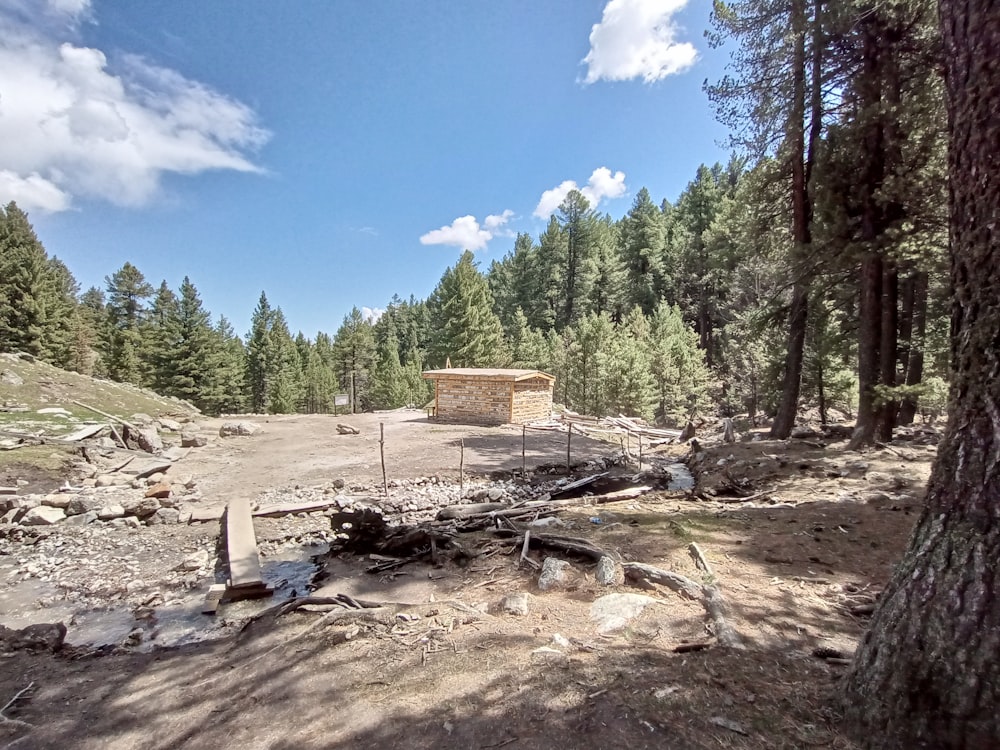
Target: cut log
639 573
468 511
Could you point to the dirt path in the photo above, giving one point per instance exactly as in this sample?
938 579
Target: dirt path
307 450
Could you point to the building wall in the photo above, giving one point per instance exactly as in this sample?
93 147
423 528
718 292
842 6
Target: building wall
481 401
473 400
532 400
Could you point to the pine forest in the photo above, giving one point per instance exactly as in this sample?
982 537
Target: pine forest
809 273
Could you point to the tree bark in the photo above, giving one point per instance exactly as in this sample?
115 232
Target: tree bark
869 330
888 341
801 163
915 350
927 675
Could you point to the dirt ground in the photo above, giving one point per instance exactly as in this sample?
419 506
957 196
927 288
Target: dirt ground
801 537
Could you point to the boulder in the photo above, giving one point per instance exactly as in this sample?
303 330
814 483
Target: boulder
149 440
346 429
516 604
9 377
57 500
608 572
43 515
105 480
191 437
196 560
230 429
109 512
148 506
141 420
84 504
169 424
159 490
167 516
82 519
613 612
555 574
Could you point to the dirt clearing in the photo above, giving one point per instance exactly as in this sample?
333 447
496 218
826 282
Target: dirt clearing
800 538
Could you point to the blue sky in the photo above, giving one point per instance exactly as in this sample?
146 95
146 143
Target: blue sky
334 153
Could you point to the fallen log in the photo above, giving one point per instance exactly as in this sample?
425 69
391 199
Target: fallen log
642 573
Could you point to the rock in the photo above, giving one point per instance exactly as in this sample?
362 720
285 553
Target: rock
169 424
110 512
346 429
105 480
555 573
159 490
168 516
10 516
84 504
608 572
613 612
169 501
131 522
141 420
155 478
191 437
229 429
494 494
57 410
149 440
560 641
57 500
147 507
196 560
9 377
40 637
548 655
516 604
43 515
82 519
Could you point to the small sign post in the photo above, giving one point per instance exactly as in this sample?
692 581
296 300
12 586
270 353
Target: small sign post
340 399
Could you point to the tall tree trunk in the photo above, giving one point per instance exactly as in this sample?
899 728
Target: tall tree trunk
798 313
915 354
888 341
927 675
873 161
869 335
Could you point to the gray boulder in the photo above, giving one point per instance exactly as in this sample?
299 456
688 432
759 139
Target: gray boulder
231 429
84 504
555 574
43 515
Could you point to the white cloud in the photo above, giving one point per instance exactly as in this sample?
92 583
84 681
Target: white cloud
494 222
372 314
638 39
465 232
74 126
602 185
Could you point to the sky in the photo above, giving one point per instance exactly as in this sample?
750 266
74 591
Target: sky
333 153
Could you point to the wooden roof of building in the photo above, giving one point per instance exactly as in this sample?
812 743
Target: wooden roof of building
502 374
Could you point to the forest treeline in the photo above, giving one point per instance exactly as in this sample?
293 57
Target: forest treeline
808 272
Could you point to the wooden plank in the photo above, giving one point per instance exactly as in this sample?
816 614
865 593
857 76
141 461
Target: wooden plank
241 541
285 509
85 432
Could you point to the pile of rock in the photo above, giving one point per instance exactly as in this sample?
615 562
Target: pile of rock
153 502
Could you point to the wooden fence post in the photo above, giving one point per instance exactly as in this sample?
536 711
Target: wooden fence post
569 441
381 453
461 467
524 439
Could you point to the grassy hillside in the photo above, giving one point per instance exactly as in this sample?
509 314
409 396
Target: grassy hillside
47 387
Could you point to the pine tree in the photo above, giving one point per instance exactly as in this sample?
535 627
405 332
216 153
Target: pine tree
680 373
197 354
260 357
627 384
461 308
127 291
160 340
227 394
389 388
285 383
643 251
354 357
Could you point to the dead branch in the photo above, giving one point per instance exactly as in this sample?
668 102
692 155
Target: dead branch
716 607
4 719
641 573
699 559
568 544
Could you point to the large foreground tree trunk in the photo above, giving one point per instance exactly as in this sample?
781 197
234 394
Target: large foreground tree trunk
927 673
